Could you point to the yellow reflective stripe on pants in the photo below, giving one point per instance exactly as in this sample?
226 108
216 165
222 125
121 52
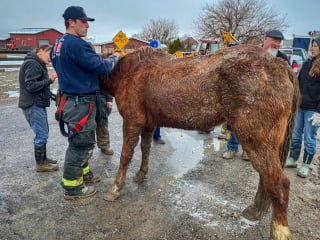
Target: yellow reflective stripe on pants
85 170
72 183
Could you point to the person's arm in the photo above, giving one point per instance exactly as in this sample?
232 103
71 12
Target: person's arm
34 79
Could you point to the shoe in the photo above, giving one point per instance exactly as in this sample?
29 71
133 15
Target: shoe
159 141
90 178
225 136
107 151
46 167
290 163
303 171
245 156
49 160
229 154
79 192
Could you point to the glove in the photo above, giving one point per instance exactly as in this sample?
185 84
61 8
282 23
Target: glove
315 119
120 52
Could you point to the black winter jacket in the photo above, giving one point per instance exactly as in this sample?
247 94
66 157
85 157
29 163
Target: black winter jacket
309 88
34 82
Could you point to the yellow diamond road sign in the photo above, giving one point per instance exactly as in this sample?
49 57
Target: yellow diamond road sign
120 40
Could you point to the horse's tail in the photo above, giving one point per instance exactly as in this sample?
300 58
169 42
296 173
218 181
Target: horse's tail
285 146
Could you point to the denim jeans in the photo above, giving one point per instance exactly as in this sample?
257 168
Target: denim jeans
38 121
233 143
156 134
304 127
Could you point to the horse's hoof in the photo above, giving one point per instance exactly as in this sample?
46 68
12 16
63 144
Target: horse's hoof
140 177
111 196
280 232
252 213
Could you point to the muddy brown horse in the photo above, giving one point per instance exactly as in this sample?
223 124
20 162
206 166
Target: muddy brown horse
255 93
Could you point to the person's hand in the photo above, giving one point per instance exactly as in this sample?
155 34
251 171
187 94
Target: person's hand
315 119
119 52
109 105
53 77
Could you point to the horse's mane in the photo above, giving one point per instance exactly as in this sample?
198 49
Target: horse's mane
140 56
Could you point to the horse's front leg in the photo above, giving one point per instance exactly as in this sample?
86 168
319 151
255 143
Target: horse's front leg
146 138
130 140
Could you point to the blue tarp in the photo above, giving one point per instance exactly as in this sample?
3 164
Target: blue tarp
302 42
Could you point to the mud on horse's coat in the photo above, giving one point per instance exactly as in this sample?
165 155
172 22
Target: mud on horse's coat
254 92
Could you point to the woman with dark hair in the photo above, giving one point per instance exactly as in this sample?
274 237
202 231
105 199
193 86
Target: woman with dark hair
308 117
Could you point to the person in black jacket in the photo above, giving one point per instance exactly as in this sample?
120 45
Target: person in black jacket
34 99
308 117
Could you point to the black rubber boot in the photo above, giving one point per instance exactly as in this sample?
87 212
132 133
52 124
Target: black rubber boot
43 164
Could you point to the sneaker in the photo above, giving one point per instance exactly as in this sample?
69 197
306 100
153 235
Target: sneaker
46 167
229 154
290 163
90 178
107 151
159 141
79 192
245 156
303 171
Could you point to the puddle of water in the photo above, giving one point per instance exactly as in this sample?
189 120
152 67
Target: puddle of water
189 149
13 93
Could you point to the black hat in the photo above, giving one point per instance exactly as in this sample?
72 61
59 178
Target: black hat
317 40
76 12
275 34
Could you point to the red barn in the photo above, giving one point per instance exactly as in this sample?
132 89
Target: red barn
28 38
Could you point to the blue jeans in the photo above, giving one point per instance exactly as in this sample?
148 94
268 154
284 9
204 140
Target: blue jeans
304 127
38 121
156 134
233 143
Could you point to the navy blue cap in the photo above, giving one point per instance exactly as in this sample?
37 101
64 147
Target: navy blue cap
155 43
76 12
275 34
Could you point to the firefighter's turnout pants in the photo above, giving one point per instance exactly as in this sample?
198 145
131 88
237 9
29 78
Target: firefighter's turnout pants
103 139
81 144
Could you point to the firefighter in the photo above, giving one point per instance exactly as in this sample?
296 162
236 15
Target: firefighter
77 66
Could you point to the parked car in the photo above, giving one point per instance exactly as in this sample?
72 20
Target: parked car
295 55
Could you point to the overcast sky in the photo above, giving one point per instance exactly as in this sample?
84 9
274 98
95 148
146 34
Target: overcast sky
131 15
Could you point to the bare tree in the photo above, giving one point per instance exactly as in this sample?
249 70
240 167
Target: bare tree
246 20
161 29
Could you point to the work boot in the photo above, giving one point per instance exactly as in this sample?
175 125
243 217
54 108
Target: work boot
79 192
229 154
226 135
290 163
245 156
49 160
43 164
107 151
303 171
90 178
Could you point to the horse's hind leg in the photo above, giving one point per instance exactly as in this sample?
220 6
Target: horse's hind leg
274 186
130 140
146 138
260 205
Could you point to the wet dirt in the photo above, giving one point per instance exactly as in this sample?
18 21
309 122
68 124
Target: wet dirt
190 193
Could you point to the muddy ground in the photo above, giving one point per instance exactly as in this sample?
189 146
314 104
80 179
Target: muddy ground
191 192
